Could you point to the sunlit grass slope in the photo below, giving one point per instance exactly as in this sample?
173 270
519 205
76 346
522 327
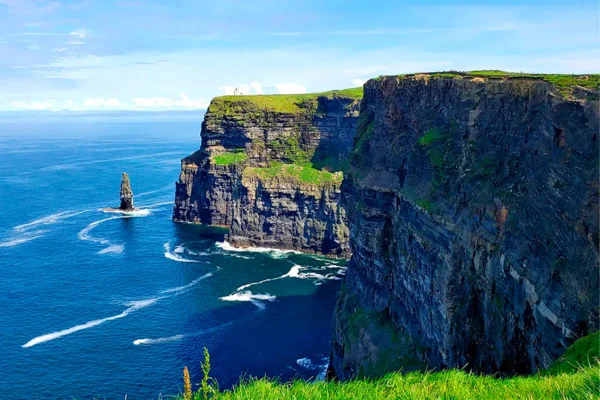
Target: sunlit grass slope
576 375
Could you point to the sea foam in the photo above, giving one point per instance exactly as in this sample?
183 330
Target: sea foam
132 306
275 253
173 255
251 297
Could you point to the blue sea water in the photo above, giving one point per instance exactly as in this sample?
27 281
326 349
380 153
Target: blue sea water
103 305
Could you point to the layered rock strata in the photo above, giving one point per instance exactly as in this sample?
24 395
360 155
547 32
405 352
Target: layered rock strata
270 169
473 213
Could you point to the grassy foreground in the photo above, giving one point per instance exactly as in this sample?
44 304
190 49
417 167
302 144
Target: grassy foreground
576 375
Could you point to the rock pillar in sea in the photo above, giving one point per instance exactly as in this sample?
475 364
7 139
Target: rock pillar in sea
126 193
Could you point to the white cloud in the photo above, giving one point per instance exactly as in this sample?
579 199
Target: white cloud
290 88
76 42
61 49
101 102
253 87
358 82
257 87
80 33
183 102
186 102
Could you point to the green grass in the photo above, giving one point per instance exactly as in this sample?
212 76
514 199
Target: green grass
290 145
303 173
563 82
431 136
585 351
230 158
280 103
576 375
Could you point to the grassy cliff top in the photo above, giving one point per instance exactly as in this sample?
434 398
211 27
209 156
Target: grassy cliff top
564 82
303 174
283 103
576 375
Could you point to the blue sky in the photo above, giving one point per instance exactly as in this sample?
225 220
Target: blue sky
178 54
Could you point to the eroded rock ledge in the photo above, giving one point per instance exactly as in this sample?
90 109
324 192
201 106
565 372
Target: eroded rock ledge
473 214
270 169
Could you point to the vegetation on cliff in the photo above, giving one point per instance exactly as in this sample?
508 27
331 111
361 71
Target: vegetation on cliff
565 83
235 157
280 103
302 173
576 375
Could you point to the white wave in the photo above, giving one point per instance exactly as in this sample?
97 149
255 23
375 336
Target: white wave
132 306
305 363
176 257
240 256
197 253
261 282
138 304
249 296
84 234
58 334
275 253
174 338
189 285
26 237
132 213
296 272
321 366
49 219
179 249
115 249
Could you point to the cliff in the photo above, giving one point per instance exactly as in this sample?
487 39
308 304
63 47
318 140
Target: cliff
270 169
472 204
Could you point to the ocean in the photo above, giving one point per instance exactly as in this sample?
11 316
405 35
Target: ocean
105 305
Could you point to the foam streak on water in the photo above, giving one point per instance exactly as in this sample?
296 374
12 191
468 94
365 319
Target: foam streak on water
58 334
84 234
24 233
172 255
131 307
49 219
176 338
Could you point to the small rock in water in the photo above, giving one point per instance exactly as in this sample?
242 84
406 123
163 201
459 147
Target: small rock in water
126 194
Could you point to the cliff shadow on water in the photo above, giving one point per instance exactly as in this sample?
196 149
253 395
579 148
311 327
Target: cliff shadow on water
289 348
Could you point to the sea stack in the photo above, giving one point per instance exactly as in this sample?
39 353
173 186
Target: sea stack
126 194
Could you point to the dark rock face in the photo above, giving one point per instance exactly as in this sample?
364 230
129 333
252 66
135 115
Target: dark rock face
473 215
273 211
126 193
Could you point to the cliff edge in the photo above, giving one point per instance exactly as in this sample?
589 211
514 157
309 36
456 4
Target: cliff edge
472 205
270 169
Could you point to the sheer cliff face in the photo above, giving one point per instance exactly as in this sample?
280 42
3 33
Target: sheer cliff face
267 169
473 214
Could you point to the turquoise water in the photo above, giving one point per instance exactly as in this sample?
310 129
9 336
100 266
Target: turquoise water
105 305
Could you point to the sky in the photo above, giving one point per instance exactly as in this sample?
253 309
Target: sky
177 55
